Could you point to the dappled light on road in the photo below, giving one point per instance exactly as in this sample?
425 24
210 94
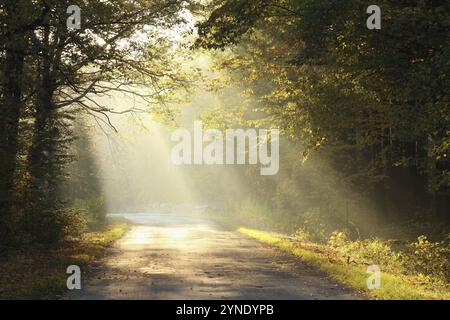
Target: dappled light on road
139 236
177 233
169 256
143 235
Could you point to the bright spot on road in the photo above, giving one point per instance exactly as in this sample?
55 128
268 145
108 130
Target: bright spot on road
145 235
177 233
139 236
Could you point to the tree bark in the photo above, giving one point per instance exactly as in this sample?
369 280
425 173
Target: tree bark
45 129
10 110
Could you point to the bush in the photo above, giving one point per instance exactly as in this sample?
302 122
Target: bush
376 251
429 259
93 209
302 235
74 221
317 226
338 239
54 224
368 251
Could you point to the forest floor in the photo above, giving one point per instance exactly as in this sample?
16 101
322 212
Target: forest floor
39 272
173 257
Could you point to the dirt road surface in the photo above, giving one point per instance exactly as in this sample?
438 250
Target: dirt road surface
165 256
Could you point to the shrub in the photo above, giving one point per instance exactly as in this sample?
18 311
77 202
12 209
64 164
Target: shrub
74 221
318 226
376 251
368 251
53 224
338 239
93 208
302 235
429 259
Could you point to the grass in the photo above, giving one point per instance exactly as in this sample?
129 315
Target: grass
393 286
39 272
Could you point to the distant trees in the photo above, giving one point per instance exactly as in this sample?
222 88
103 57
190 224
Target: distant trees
375 102
50 75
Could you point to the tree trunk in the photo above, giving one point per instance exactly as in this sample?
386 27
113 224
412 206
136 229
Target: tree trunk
45 133
10 111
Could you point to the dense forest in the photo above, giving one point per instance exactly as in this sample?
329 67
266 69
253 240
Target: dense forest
364 116
364 113
370 107
50 74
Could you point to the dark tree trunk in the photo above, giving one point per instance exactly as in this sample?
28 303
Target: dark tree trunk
43 167
10 111
45 133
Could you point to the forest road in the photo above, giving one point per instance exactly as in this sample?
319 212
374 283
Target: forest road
164 256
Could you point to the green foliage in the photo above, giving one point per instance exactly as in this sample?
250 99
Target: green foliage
229 22
374 102
93 207
313 227
395 285
367 251
430 259
50 225
49 78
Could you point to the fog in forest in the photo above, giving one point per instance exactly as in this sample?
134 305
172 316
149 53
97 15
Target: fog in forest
133 157
135 135
134 160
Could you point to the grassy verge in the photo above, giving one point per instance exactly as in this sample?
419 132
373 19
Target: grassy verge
39 272
393 287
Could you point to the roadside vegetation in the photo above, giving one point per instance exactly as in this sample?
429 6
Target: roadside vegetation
410 269
405 274
39 271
